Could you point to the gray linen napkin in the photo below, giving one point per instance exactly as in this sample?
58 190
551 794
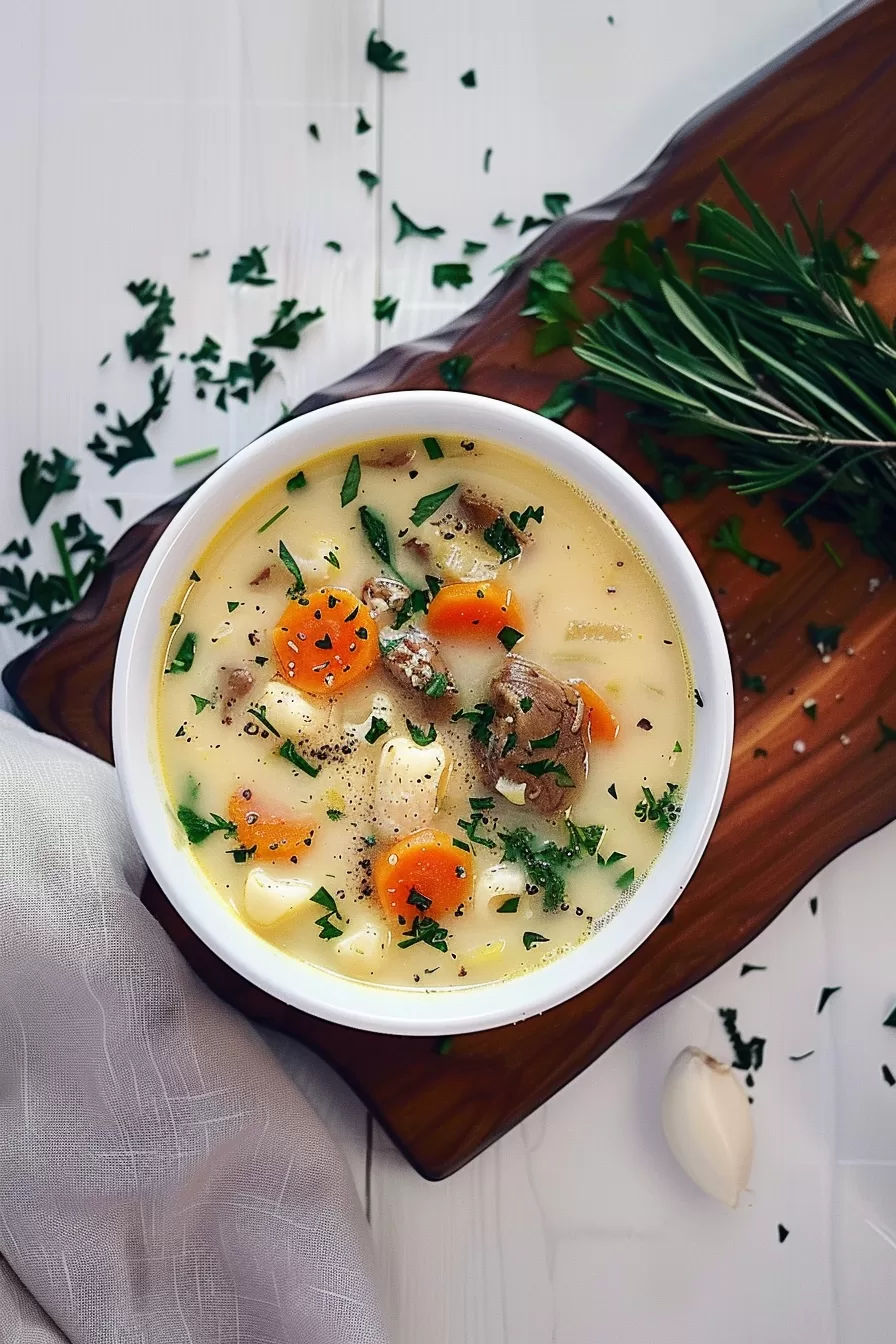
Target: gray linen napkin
161 1179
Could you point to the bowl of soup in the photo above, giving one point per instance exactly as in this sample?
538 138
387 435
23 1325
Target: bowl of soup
422 712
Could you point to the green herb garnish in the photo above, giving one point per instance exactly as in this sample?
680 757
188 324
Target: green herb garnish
530 939
555 202
509 637
438 686
487 160
418 900
183 659
352 481
748 1055
251 268
471 830
115 506
548 301
261 715
376 730
546 862
625 881
327 928
199 828
444 1044
287 326
419 736
385 309
676 748
384 57
532 222
200 456
433 449
427 505
426 930
663 811
454 370
887 734
550 741
147 341
408 229
270 522
291 564
529 515
509 907
538 769
752 681
824 638
454 273
200 702
369 179
296 482
501 221
133 444
377 534
290 753
501 538
727 538
41 478
481 717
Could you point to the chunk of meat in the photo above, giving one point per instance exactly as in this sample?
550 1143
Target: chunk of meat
390 457
414 660
532 707
419 549
261 577
384 594
481 513
238 683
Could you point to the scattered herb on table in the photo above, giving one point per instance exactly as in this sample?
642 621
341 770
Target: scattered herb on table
783 1232
680 215
679 474
384 57
313 130
472 249
888 1076
569 393
41 478
748 1055
251 268
201 255
810 709
824 638
369 179
408 229
781 361
384 309
287 326
827 992
147 341
501 221
362 125
444 1044
468 79
752 681
332 244
199 456
727 538
796 1059
549 301
887 734
533 222
555 203
747 967
454 370
487 160
133 443
454 273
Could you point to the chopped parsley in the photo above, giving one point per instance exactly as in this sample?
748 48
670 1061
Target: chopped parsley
509 637
532 222
546 863
748 966
334 814
115 506
529 515
426 930
296 482
408 229
468 79
376 730
501 221
290 753
418 900
549 301
824 638
331 911
509 907
270 522
377 534
352 481
200 702
887 734
540 768
454 273
487 160
827 992
555 202
481 717
433 449
41 478
500 536
199 828
384 309
625 881
472 249
384 57
454 370
189 458
287 326
676 748
550 741
133 444
251 268
362 125
748 1055
727 538
663 811
530 939
438 686
332 244
427 505
369 179
183 659
525 703
261 715
242 855
752 681
292 565
420 736
147 341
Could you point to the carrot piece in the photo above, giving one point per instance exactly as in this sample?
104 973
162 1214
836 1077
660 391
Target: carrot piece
273 836
474 610
427 864
603 725
326 641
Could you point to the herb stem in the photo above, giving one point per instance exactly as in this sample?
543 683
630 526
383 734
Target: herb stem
65 559
189 458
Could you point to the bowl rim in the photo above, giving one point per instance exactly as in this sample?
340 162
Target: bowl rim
345 1000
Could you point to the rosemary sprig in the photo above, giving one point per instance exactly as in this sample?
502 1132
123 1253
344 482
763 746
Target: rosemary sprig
779 358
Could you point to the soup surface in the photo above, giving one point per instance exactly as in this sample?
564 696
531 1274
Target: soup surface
424 713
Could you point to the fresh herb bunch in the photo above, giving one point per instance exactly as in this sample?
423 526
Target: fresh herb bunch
769 350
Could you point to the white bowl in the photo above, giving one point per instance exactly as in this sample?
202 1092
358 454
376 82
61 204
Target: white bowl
351 1002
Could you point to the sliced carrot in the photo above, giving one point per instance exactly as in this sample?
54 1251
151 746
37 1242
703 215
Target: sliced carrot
602 722
326 641
474 610
273 835
430 866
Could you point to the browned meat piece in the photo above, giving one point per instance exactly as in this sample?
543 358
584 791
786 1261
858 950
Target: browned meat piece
237 685
481 512
531 706
390 457
419 549
384 594
261 577
415 661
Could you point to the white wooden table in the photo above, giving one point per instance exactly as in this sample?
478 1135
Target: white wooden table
133 135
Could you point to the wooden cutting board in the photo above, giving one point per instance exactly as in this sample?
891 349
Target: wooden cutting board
821 121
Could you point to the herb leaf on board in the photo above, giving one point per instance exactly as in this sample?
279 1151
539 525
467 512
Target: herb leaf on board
727 538
408 229
454 370
251 268
41 478
133 443
384 57
454 273
287 326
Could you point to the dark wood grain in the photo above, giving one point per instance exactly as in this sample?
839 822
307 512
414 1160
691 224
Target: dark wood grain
822 122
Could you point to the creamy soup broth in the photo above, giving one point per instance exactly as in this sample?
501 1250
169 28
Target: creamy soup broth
345 762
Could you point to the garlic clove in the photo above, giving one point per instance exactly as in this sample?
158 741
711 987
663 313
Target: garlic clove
708 1125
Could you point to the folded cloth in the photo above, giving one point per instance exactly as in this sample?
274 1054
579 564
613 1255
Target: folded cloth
161 1179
